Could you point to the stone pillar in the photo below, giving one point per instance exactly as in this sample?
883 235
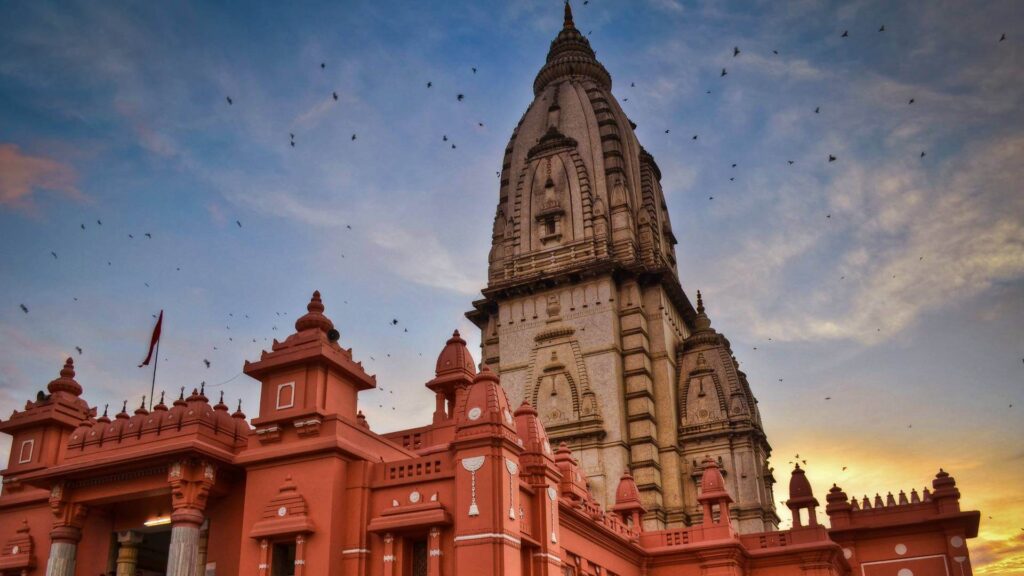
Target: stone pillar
204 538
62 559
389 555
264 566
128 552
184 551
66 533
300 555
434 552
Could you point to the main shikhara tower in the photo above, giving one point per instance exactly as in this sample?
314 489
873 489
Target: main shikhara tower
585 318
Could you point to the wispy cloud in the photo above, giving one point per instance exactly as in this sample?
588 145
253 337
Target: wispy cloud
22 176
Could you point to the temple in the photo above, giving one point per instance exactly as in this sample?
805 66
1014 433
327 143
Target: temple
607 431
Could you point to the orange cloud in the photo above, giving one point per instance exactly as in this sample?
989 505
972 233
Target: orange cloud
22 175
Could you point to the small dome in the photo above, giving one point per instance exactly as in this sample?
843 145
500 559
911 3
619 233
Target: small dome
627 495
455 357
571 55
314 317
712 484
486 406
531 431
799 486
66 382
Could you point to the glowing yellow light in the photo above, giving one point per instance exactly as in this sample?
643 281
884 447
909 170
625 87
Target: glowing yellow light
161 521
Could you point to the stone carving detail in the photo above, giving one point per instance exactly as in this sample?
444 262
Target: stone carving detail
472 465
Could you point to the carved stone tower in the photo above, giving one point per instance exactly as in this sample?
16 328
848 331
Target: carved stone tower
584 316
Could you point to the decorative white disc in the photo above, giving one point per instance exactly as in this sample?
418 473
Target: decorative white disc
956 541
901 549
414 497
474 413
847 553
15 549
282 511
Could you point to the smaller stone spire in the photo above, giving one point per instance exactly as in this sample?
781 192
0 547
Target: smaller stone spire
568 23
702 322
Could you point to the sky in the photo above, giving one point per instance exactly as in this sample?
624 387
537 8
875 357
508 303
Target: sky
890 281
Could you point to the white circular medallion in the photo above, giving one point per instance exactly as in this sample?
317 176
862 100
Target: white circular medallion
282 511
15 549
905 572
956 541
847 553
474 413
414 497
901 549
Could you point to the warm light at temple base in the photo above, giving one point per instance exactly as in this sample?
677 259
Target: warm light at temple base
161 521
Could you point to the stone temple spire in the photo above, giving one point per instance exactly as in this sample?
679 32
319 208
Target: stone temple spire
571 55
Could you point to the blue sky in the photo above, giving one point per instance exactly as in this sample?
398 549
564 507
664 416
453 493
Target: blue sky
890 282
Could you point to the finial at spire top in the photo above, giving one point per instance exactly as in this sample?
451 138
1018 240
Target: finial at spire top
568 16
700 303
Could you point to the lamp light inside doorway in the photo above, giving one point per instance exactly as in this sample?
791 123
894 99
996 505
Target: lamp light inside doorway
160 521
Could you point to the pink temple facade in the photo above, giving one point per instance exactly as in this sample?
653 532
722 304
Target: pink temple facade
308 488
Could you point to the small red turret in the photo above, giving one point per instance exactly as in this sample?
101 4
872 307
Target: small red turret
800 497
713 492
627 501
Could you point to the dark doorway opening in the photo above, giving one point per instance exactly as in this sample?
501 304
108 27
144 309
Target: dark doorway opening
282 562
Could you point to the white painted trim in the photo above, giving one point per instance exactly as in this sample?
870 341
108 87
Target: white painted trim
31 443
356 551
547 555
943 556
481 536
277 398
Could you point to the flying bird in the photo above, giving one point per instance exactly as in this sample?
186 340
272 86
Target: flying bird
666 131
335 94
230 101
239 222
474 70
353 136
100 223
882 29
54 254
632 84
735 51
83 226
323 65
831 158
1002 38
911 101
817 109
460 97
207 362
776 52
429 84
922 153
148 235
24 308
845 34
79 348
791 162
723 72
694 136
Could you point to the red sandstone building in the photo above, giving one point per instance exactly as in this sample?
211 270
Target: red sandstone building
308 488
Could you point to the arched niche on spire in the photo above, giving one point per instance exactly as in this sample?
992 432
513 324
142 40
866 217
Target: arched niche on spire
703 399
552 203
559 387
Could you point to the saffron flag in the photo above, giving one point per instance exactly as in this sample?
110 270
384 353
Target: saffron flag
154 339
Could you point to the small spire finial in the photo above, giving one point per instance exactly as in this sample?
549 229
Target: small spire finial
105 406
161 396
124 406
181 396
700 303
568 16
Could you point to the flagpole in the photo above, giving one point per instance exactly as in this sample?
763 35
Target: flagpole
152 384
